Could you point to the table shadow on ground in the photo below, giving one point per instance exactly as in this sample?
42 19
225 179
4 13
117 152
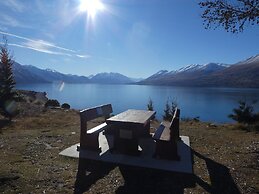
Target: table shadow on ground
143 180
90 171
220 177
3 123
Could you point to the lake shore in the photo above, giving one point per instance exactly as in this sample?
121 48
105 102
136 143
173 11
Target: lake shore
226 159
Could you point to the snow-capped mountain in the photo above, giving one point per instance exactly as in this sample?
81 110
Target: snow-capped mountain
111 78
250 60
209 67
158 74
32 74
189 68
241 74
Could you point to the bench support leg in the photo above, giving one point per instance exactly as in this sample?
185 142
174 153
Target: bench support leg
166 150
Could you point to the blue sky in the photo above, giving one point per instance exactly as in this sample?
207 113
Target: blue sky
134 37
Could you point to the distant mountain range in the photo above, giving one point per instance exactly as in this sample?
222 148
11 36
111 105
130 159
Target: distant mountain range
111 78
241 74
32 74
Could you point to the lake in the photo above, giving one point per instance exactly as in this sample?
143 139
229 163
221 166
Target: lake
210 104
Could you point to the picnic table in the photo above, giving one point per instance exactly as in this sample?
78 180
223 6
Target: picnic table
128 127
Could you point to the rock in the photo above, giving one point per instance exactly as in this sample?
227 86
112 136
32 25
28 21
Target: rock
47 146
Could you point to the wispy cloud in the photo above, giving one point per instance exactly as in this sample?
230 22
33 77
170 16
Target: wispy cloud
37 42
14 5
43 46
7 20
83 56
39 49
3 28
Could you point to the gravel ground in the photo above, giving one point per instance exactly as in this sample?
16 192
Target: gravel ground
226 160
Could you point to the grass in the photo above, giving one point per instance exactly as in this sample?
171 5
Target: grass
226 160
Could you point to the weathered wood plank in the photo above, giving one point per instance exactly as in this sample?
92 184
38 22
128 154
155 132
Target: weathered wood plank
89 138
133 116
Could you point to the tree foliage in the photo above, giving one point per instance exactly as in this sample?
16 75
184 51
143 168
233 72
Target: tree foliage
52 103
7 82
169 110
65 106
232 15
244 113
150 105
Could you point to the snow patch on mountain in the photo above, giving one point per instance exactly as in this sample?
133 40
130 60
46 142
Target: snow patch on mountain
253 59
189 68
162 72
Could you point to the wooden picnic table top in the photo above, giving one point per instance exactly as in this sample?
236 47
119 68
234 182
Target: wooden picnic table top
132 116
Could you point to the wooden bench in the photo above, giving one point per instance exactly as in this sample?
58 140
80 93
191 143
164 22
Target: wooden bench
89 137
166 139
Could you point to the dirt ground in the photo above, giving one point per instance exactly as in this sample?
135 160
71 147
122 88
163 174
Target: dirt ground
225 160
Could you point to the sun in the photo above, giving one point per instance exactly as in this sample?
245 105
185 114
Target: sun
91 7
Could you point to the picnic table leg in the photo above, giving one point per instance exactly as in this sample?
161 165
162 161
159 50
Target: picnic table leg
83 132
146 130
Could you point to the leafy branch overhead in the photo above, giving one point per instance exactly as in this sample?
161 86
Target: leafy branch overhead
232 15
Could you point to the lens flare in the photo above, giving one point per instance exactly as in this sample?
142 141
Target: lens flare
61 86
91 7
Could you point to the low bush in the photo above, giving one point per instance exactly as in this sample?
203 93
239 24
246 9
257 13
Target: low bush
169 110
52 103
65 106
150 105
244 113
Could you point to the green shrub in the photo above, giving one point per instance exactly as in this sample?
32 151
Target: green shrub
169 110
52 103
150 105
244 113
247 127
65 106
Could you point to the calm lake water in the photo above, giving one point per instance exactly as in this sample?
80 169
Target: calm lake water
210 104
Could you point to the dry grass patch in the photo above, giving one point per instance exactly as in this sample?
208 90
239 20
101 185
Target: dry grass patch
225 160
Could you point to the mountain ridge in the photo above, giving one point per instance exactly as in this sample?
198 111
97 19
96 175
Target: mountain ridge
30 74
241 74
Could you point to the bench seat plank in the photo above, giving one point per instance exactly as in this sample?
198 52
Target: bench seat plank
97 129
162 133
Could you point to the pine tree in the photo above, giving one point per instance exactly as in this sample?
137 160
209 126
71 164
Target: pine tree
244 113
7 82
150 105
167 112
173 107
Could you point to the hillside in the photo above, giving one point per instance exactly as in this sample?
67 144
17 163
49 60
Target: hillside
241 74
111 78
32 74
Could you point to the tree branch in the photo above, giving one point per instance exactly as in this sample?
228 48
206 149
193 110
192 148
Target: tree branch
230 16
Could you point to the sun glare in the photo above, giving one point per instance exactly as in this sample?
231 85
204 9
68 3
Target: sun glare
91 7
